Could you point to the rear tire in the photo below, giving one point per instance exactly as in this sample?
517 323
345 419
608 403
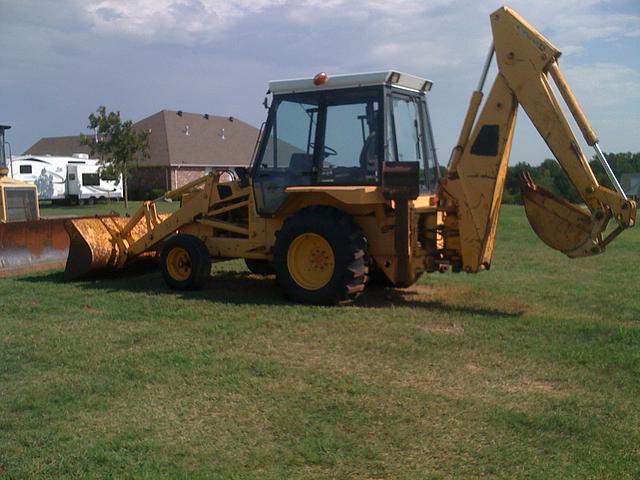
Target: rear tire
259 267
320 257
185 262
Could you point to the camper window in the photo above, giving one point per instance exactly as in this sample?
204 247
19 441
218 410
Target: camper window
91 179
25 169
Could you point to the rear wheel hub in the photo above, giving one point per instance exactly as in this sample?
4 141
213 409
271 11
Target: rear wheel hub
310 261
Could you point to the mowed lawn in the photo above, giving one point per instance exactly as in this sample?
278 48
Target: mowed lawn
530 370
48 210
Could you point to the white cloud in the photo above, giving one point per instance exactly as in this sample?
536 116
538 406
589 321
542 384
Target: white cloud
598 85
166 21
409 32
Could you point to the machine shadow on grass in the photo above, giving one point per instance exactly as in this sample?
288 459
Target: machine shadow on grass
422 296
240 287
227 287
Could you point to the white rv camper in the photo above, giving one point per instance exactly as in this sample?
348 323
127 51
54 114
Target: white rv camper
73 178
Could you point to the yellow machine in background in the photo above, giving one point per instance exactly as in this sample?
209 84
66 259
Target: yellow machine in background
344 185
27 243
18 200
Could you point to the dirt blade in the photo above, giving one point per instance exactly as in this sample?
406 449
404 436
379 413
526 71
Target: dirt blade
33 246
91 248
560 224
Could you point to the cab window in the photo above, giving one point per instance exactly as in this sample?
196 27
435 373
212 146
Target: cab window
291 136
351 152
405 140
287 156
410 138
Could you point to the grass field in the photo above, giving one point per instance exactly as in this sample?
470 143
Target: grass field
531 370
102 208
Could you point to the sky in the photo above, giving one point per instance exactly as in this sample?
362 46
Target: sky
61 59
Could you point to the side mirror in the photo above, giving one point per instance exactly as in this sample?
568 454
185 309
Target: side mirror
401 180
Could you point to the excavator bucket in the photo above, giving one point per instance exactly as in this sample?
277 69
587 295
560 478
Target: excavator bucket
92 247
32 246
560 224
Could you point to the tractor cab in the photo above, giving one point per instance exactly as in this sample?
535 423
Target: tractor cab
341 131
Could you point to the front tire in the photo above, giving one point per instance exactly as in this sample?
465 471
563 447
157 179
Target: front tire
320 257
185 262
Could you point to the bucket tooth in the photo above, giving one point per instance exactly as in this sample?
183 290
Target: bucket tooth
560 224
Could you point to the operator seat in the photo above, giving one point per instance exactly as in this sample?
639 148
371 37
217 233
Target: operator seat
369 155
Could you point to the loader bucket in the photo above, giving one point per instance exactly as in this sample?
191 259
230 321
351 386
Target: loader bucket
90 246
560 224
32 246
92 249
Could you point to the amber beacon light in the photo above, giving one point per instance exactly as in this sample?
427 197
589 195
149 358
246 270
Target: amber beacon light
320 79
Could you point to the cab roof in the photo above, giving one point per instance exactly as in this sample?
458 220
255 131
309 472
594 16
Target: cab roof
334 82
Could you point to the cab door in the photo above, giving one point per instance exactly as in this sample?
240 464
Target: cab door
287 154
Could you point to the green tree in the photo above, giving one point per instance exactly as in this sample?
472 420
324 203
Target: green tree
118 145
549 175
512 182
621 163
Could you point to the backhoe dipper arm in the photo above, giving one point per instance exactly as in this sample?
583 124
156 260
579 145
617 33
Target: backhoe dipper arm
472 192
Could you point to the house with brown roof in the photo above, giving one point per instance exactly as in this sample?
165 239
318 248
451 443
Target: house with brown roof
182 146
58 147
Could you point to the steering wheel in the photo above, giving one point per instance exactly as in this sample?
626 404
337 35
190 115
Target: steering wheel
328 151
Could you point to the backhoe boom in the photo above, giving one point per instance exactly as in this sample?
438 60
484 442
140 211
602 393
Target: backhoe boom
472 192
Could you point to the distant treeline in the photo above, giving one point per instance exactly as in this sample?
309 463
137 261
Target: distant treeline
550 175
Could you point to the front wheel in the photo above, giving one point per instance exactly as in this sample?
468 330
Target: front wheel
319 257
185 262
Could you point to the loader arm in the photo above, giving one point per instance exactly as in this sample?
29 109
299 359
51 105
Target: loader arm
471 194
104 243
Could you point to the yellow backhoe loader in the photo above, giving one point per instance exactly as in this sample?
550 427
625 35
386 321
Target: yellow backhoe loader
27 243
344 185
